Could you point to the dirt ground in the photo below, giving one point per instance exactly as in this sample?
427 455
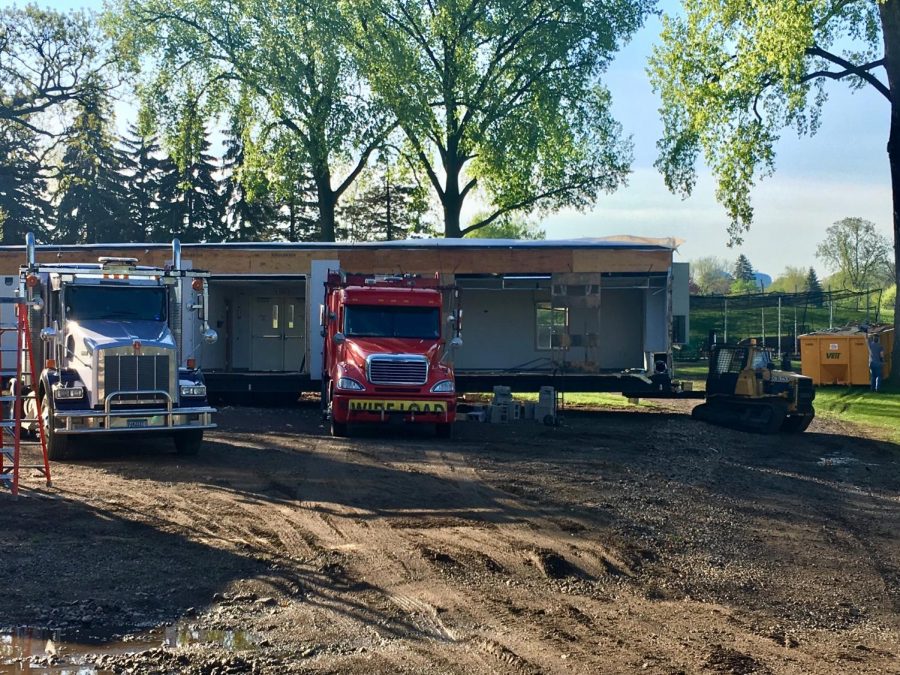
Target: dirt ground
618 542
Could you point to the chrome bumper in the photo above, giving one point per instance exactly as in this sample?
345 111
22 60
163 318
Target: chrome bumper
134 420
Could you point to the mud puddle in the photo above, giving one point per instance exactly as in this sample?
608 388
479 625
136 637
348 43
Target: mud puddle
39 651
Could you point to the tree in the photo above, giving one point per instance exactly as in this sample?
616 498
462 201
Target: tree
23 206
743 287
791 280
509 226
856 251
189 190
251 212
814 288
743 270
47 61
501 96
143 172
711 275
733 74
287 56
91 201
389 203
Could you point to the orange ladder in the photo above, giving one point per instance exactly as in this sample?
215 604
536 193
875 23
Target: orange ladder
12 401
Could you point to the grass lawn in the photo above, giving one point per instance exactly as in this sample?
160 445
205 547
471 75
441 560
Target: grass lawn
857 404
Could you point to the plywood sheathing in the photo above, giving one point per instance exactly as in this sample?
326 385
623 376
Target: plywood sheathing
230 260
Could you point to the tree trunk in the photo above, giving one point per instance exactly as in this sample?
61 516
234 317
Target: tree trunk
327 201
452 200
890 22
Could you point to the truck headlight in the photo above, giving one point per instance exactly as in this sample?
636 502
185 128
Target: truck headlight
349 384
443 387
193 390
68 393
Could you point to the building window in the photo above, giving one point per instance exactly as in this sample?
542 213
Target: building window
552 325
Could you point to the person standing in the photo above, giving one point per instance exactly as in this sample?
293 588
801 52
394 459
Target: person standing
876 361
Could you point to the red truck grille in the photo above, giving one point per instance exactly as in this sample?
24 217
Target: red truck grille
408 369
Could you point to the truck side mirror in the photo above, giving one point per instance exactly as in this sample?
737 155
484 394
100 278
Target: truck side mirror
339 338
456 342
210 336
48 334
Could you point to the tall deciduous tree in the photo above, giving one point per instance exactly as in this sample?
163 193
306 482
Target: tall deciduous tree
856 251
501 96
711 275
732 74
91 201
791 280
47 60
288 56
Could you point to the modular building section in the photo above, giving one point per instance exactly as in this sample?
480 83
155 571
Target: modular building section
583 314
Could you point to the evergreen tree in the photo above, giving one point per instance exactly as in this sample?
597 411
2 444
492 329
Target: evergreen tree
743 270
814 288
23 207
91 201
251 212
190 198
389 204
143 171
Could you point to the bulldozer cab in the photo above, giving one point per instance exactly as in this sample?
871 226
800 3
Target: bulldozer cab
738 369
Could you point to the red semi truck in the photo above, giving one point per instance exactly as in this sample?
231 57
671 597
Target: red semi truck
385 358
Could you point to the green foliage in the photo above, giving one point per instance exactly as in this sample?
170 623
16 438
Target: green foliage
791 280
814 287
251 211
889 298
389 203
743 270
711 275
49 60
743 286
508 226
282 62
856 251
501 97
91 201
23 206
142 181
732 74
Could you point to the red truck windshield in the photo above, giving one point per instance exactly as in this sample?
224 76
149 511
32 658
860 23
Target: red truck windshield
399 322
130 303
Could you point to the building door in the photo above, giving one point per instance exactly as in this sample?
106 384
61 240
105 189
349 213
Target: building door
278 334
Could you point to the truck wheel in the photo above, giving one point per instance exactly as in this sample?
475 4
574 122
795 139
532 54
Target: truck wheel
338 429
188 442
444 430
58 447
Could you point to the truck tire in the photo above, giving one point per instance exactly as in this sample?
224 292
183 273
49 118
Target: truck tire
338 429
444 429
188 442
58 445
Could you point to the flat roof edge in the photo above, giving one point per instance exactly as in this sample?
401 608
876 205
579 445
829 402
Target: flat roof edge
417 244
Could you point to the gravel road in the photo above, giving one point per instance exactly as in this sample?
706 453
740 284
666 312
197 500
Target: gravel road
618 542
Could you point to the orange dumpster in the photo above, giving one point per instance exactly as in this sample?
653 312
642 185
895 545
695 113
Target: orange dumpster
842 356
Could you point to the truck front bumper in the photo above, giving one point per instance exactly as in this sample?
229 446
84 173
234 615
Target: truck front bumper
432 410
132 420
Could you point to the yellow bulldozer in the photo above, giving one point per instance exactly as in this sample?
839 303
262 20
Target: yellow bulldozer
744 390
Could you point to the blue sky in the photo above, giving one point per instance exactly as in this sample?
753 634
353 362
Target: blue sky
840 172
